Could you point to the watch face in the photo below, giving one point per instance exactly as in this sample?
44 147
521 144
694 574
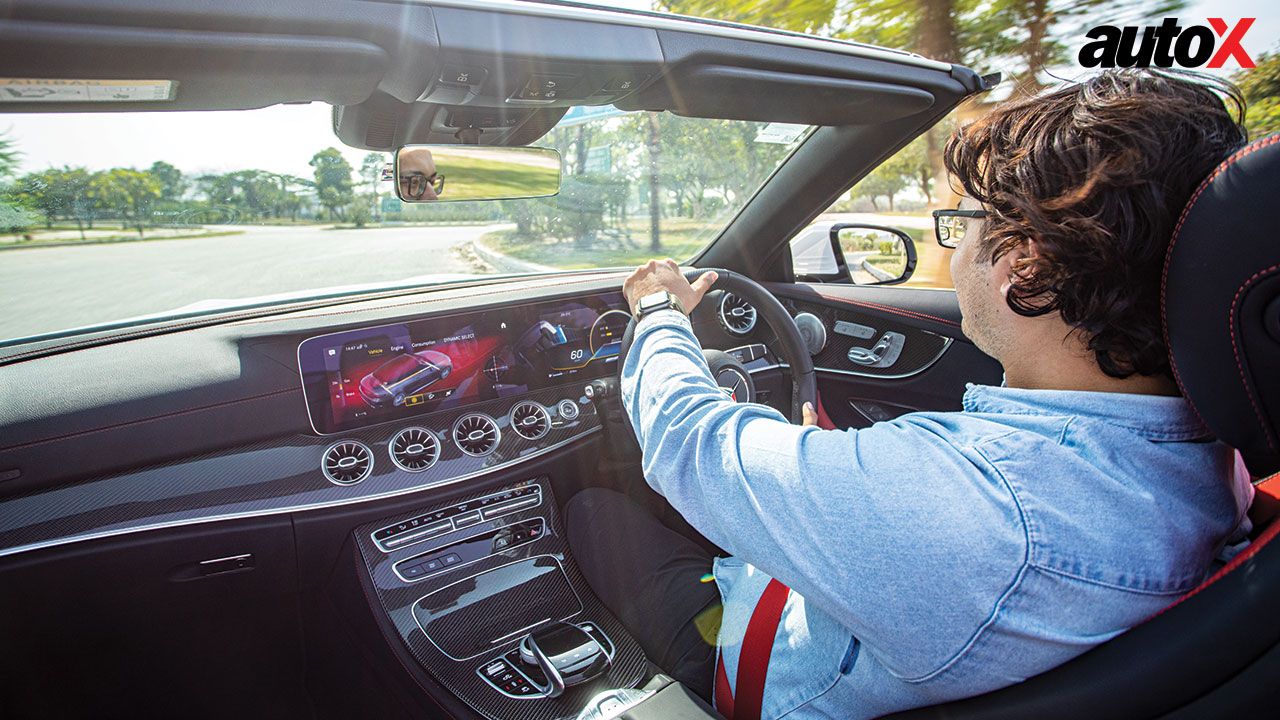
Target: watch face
650 302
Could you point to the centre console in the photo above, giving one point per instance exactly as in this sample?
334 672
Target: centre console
486 597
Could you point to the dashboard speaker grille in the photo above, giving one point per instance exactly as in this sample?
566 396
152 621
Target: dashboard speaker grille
347 462
414 449
476 434
736 314
530 420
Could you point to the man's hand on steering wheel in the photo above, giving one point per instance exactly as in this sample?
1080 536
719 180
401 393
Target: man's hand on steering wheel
665 275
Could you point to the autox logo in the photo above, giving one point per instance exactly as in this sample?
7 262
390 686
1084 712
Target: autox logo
1167 44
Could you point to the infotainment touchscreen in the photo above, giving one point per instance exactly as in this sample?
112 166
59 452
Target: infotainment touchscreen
362 377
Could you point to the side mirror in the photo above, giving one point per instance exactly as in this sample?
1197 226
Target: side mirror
452 173
874 254
853 253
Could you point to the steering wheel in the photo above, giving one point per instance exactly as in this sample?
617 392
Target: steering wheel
729 372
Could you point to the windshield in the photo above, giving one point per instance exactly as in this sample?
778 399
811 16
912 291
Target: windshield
115 218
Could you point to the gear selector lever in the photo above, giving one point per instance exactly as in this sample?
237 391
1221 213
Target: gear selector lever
566 654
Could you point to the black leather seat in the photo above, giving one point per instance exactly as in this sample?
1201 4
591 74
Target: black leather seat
1216 652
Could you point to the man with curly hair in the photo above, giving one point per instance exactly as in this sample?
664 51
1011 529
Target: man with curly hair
945 554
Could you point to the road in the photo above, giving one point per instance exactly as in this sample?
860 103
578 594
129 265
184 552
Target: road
50 289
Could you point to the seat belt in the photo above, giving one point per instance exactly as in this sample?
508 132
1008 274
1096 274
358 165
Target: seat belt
745 702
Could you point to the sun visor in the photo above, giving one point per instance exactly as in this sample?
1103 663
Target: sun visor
208 70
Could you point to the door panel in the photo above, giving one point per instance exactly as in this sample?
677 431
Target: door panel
929 368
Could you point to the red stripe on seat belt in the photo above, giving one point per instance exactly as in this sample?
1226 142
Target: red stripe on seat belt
753 661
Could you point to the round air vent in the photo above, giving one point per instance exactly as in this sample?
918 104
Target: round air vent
737 316
347 462
476 434
530 420
414 449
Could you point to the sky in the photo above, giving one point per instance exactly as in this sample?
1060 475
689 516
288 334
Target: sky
282 139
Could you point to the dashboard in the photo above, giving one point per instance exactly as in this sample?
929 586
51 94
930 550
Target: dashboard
366 402
356 378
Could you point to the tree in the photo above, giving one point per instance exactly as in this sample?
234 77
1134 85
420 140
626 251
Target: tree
333 182
653 146
887 180
1261 87
173 184
371 171
57 193
9 156
129 193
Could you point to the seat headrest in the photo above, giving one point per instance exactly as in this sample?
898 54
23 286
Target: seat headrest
1220 299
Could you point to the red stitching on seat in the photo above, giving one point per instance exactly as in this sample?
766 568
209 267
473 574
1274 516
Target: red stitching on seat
1177 230
1254 548
1231 321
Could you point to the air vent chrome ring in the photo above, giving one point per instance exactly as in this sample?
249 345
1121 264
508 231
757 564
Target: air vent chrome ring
347 462
530 420
736 315
414 449
476 434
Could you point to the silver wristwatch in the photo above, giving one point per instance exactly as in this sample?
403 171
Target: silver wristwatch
657 301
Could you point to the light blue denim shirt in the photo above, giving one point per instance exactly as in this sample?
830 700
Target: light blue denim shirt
941 554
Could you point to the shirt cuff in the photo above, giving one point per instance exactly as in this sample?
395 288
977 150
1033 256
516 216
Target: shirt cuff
668 317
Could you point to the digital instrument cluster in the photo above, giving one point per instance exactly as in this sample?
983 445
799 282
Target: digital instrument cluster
362 377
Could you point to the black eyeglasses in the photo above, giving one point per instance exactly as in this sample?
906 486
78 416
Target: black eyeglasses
950 226
414 185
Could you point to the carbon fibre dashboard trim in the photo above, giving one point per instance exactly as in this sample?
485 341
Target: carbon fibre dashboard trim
274 476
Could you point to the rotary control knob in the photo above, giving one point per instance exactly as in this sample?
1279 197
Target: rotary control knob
812 331
568 410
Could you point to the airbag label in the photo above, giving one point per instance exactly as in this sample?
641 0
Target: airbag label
45 90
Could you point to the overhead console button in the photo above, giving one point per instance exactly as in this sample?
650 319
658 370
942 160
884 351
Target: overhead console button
547 87
468 75
621 85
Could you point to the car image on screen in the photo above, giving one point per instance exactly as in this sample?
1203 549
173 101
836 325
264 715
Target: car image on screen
405 375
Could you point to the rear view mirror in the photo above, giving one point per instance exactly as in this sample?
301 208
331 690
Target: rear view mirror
875 255
451 173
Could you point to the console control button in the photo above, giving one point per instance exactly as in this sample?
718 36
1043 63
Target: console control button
503 676
568 410
466 519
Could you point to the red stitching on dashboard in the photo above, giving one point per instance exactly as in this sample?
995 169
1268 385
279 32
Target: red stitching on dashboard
886 308
146 419
1231 323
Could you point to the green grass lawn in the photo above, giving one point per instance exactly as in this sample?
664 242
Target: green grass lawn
476 178
681 239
